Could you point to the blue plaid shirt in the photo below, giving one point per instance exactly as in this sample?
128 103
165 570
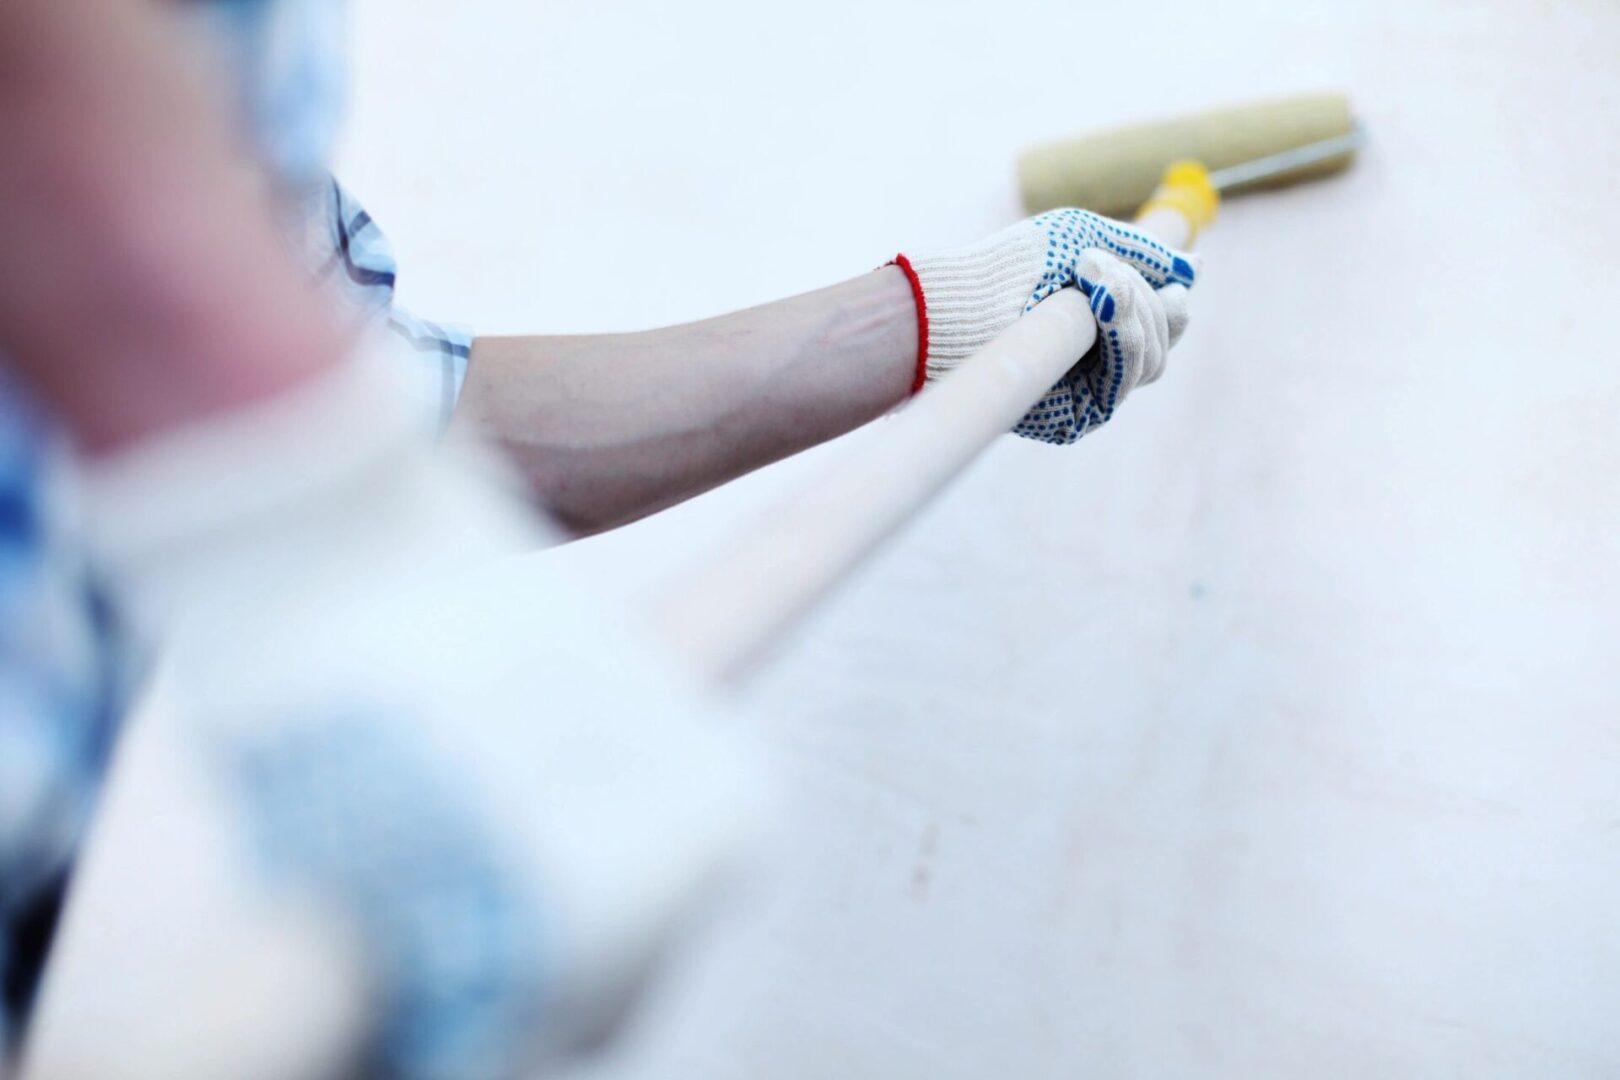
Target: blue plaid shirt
59 652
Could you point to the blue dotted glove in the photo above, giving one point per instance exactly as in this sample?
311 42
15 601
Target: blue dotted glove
1138 292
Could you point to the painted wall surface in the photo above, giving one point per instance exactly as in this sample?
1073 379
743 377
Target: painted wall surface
1273 731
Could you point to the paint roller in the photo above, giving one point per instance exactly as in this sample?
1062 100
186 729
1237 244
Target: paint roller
1114 172
1172 174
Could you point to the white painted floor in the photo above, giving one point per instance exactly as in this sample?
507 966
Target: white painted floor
1274 731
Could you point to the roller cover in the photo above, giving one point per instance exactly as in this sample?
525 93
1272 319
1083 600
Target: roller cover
1113 172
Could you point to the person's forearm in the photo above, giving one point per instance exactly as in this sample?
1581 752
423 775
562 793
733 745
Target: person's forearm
141 282
609 428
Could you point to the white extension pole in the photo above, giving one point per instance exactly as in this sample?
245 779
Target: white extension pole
726 615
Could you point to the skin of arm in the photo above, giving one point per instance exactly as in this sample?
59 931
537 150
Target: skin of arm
609 428
142 284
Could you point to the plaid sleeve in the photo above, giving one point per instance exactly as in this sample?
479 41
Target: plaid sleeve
439 356
353 257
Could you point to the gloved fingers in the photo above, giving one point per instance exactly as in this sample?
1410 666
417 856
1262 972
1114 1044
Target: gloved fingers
1174 298
1158 320
1124 305
1155 334
1159 263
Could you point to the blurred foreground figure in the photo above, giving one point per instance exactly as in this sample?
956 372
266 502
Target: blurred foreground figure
386 814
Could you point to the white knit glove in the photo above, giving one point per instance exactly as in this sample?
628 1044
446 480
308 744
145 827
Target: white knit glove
1138 291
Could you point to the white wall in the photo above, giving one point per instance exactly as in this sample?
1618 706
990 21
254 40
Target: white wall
1272 732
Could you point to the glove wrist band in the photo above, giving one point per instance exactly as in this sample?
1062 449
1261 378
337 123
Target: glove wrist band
968 296
918 298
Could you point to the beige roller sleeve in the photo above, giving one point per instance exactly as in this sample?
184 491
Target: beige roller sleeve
1113 172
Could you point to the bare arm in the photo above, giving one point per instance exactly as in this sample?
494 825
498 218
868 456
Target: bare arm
613 427
141 282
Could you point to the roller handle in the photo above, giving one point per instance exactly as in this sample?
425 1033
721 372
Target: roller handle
726 616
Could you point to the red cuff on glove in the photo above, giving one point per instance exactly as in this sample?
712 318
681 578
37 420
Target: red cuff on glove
922 321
